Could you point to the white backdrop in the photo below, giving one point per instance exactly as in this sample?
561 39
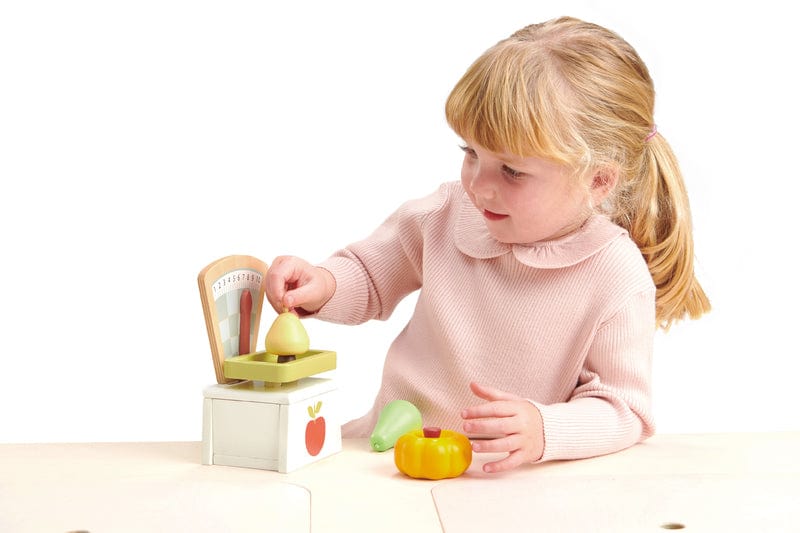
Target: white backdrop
141 140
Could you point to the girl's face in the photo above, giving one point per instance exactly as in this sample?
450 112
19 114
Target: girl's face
523 200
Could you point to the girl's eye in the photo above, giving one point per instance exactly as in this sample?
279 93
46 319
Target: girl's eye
511 173
469 151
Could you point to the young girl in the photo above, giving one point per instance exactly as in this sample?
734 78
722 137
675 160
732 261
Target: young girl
544 273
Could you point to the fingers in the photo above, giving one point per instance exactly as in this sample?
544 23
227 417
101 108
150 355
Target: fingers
503 444
525 445
497 418
516 422
295 283
518 448
499 403
284 277
278 277
306 295
513 460
490 393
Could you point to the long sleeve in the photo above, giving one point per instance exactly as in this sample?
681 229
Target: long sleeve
610 408
375 274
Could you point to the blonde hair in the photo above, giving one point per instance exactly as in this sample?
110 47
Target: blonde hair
578 94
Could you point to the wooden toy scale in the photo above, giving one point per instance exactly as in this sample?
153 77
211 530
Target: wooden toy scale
261 413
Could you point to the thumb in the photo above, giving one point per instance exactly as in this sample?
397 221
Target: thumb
311 292
298 296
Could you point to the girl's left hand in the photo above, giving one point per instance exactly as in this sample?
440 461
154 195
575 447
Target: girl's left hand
516 419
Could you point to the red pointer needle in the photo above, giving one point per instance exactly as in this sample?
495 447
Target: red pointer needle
245 309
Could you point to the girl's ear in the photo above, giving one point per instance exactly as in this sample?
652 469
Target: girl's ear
603 182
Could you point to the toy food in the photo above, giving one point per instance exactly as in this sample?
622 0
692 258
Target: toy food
287 336
432 453
397 417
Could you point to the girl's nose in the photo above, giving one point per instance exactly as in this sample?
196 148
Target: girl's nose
481 183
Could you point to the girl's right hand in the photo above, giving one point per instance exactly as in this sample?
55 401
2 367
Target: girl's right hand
293 283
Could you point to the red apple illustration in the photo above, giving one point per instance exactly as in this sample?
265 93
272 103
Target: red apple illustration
315 430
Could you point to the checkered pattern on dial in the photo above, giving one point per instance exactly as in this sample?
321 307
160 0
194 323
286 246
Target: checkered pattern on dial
227 292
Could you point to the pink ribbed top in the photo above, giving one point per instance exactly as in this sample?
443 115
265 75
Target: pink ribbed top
568 324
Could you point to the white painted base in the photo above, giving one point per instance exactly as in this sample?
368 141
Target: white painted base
252 426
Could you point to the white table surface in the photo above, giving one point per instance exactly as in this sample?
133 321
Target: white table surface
124 487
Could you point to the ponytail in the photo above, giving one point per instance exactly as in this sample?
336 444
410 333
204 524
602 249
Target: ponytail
658 219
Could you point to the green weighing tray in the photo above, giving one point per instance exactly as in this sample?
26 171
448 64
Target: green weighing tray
257 367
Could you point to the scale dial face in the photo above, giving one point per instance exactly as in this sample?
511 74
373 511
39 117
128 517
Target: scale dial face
227 293
221 286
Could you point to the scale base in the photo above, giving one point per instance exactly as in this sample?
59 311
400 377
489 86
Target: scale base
250 425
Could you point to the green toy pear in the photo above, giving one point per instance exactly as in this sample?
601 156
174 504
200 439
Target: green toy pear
287 336
397 418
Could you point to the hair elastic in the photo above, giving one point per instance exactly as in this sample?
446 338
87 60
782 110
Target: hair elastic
651 134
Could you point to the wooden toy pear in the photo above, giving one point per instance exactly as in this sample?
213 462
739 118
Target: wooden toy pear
287 336
397 418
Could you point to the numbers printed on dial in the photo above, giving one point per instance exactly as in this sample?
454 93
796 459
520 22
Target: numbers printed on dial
236 280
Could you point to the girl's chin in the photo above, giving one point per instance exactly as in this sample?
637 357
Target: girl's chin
501 236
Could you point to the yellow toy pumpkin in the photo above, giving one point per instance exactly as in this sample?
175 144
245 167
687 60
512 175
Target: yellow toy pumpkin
432 453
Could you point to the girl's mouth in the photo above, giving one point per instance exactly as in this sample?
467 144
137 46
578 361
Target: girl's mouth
489 215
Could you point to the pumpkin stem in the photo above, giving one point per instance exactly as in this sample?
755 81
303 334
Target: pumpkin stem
432 432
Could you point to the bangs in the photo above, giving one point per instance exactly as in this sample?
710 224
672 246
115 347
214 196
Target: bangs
507 102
